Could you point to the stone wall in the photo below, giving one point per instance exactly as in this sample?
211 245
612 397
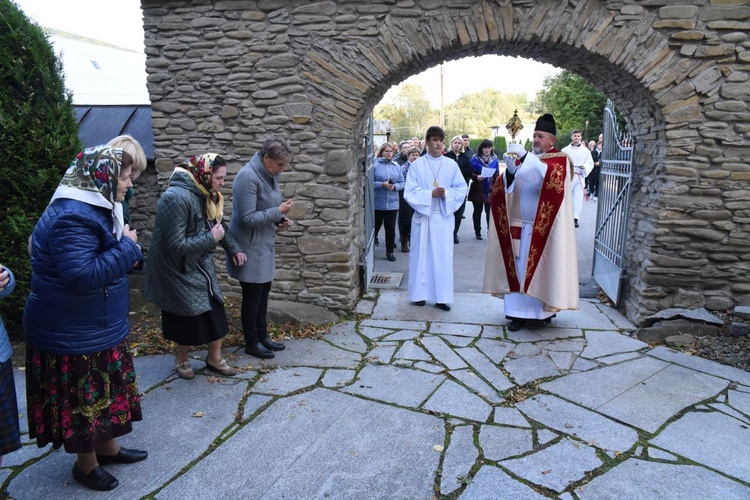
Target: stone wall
225 75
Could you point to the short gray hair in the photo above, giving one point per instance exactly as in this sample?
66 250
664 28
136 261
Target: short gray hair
276 148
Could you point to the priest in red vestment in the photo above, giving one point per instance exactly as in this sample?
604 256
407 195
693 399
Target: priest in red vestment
531 253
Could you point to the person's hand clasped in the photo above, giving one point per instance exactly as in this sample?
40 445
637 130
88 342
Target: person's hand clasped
438 192
239 259
217 232
130 233
286 206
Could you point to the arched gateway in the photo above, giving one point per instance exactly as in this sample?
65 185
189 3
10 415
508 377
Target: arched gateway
224 75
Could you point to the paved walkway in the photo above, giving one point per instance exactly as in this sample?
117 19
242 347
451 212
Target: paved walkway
415 403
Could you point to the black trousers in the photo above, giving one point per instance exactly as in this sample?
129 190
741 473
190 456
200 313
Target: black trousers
405 213
387 218
477 215
254 311
458 215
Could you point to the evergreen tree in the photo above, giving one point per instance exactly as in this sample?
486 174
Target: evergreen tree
38 138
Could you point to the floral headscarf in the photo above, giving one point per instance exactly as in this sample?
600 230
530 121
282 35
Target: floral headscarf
199 169
92 178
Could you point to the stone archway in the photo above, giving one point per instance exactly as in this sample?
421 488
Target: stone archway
224 75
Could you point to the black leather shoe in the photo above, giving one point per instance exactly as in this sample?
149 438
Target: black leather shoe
444 307
124 456
455 239
419 303
98 479
479 236
516 325
576 222
377 243
271 345
390 257
259 351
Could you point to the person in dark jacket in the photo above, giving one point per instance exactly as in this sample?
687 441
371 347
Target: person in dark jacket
80 382
257 213
464 165
180 274
480 191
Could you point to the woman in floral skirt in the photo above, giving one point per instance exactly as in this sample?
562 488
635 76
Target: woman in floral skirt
80 382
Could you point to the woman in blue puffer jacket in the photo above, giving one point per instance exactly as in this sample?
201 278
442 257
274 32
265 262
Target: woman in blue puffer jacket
389 180
80 383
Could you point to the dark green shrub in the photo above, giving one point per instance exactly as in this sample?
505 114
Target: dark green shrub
474 143
38 138
500 145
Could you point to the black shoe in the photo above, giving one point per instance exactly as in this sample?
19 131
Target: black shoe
549 320
259 351
405 246
124 456
271 345
419 303
444 307
576 221
455 239
516 325
377 242
98 479
479 235
390 257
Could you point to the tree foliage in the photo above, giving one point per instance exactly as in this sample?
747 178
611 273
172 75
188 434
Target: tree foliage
573 102
474 114
38 138
409 112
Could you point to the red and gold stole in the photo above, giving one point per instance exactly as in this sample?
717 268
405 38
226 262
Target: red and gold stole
550 201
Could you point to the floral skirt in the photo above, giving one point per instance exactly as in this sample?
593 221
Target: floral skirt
81 401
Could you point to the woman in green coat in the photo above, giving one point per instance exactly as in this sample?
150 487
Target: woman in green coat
180 274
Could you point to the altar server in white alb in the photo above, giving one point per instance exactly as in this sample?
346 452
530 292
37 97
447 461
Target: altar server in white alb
583 164
435 189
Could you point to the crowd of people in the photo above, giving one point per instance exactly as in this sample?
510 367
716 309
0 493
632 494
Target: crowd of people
81 387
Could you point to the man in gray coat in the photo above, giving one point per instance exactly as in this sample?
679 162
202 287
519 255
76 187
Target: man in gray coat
257 212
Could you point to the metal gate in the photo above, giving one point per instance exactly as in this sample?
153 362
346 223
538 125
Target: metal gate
368 255
612 209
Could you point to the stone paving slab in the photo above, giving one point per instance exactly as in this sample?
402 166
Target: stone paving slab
716 440
410 350
595 387
459 458
287 380
556 466
153 370
170 431
470 308
253 403
605 343
499 442
304 352
462 330
403 335
491 480
494 349
338 378
19 378
317 445
453 399
483 366
527 368
457 341
479 386
740 401
392 384
542 333
641 479
655 400
701 365
349 340
573 420
381 353
511 416
442 352
419 326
